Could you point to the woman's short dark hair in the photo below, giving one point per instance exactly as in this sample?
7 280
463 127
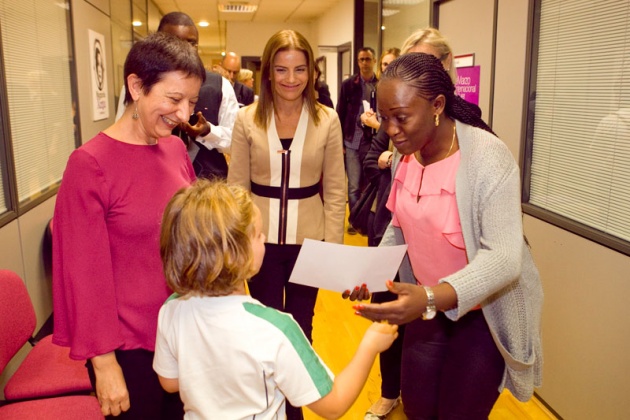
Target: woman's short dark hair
426 74
157 54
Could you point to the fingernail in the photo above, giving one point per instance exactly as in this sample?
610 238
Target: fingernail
356 288
364 285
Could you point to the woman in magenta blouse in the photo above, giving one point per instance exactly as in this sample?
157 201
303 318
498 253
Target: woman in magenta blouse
108 284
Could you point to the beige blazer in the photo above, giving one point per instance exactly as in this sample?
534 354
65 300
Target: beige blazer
316 153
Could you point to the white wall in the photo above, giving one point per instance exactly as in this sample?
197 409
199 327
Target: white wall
333 29
250 38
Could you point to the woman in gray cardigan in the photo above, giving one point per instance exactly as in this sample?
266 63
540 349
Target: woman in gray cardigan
471 294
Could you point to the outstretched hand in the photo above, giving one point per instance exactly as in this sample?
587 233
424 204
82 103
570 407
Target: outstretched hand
359 293
200 129
409 305
380 336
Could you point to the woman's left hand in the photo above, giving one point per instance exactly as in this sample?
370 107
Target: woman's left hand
411 302
359 293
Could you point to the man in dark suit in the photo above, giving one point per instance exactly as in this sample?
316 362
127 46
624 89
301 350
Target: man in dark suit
232 65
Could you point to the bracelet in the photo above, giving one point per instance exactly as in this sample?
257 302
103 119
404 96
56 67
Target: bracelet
430 310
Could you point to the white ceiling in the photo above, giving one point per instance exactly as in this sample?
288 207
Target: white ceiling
212 38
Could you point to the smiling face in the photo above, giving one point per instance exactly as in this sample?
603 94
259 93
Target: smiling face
169 102
289 75
407 118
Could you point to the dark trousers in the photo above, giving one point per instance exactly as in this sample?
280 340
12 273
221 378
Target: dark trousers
450 370
147 398
390 359
272 288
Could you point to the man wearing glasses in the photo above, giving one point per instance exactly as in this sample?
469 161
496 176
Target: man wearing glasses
358 94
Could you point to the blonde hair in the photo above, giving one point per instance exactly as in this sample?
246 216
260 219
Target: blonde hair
205 241
392 51
244 75
284 40
434 38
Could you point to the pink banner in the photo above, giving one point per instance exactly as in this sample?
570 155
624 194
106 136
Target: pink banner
468 83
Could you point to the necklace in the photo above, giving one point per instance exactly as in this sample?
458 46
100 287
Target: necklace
445 156
452 142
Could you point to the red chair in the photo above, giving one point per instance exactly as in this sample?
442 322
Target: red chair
47 370
76 407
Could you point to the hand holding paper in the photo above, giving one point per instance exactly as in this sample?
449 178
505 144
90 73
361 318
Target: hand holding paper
342 267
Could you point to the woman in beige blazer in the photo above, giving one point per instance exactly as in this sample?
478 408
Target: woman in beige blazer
287 149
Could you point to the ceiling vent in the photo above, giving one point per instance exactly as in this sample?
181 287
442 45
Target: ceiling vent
237 8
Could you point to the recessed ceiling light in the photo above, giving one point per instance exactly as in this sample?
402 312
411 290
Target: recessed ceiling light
204 24
136 23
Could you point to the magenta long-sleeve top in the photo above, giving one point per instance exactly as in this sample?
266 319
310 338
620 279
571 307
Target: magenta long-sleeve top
108 284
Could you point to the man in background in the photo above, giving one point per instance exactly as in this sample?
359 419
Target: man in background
358 94
232 65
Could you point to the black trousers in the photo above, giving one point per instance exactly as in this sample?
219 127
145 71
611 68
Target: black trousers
390 359
147 398
450 370
272 288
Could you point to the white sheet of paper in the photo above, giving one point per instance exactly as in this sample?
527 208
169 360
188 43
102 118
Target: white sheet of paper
342 267
366 106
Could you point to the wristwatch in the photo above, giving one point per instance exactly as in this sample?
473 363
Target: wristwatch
430 311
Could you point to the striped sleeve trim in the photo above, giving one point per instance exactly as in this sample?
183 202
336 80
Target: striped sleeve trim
291 330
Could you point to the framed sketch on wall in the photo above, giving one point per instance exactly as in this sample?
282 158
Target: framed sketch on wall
100 101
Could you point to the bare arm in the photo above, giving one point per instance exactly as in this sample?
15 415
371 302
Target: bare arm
349 383
111 389
169 384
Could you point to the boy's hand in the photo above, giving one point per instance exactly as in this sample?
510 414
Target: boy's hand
380 336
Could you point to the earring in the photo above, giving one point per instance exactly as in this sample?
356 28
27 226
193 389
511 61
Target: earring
135 112
437 120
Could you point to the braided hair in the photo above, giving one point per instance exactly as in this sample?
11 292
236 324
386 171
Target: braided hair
427 75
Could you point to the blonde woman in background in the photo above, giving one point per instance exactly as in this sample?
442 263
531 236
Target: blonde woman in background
246 77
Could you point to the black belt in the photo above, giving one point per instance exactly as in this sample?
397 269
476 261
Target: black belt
292 193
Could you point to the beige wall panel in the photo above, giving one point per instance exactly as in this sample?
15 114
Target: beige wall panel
586 328
333 29
38 282
250 38
468 26
86 16
509 78
10 248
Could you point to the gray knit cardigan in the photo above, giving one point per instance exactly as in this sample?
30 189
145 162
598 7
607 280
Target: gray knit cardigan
500 275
